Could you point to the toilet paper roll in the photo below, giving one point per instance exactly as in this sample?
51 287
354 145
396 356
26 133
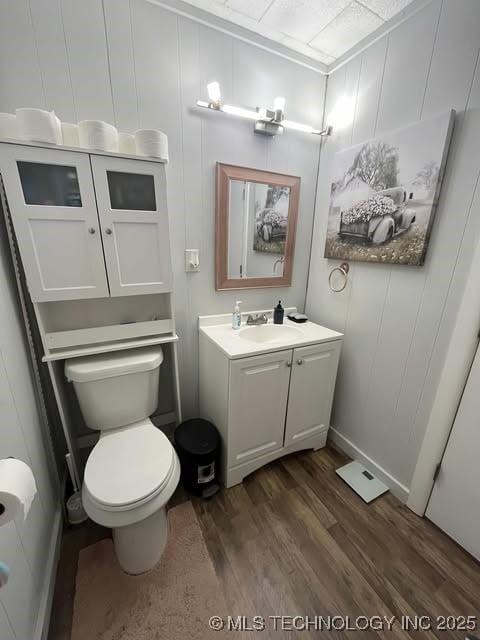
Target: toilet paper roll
96 134
126 144
17 489
38 125
152 143
8 125
57 128
70 134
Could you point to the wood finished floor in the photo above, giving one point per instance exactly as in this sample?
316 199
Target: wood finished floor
293 539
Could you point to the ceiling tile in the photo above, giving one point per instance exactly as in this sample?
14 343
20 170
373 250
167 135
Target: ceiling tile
252 8
302 19
320 29
253 25
307 50
386 9
212 6
346 30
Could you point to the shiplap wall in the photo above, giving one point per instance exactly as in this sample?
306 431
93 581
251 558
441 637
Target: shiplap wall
24 546
144 66
398 320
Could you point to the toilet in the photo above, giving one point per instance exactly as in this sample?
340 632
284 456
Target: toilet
133 470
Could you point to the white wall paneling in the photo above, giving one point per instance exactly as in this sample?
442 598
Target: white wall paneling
49 40
6 630
398 320
23 545
84 33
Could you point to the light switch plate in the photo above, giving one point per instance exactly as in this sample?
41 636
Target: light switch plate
192 260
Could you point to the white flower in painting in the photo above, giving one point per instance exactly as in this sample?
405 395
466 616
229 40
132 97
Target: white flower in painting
365 210
274 218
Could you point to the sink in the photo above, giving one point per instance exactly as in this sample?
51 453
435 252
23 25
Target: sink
270 333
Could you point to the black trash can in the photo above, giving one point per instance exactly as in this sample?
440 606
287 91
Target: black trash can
198 446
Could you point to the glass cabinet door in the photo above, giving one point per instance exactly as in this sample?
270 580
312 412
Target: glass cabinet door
131 191
49 184
53 208
132 206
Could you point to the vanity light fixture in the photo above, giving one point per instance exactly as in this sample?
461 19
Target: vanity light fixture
267 122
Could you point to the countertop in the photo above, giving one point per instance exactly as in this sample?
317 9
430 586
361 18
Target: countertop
234 346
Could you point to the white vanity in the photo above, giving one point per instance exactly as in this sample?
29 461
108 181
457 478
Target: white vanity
267 388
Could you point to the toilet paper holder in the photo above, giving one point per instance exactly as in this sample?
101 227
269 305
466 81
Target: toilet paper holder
2 507
4 569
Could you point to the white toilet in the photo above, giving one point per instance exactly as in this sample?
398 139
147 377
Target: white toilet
133 470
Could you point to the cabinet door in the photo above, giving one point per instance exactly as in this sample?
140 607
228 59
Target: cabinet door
257 405
132 207
314 370
52 204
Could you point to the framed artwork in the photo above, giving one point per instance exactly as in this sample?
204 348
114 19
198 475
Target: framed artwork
384 194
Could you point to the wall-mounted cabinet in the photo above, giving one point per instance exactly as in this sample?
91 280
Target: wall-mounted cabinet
87 225
91 233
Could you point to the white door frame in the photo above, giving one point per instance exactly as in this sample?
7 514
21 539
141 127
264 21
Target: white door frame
461 352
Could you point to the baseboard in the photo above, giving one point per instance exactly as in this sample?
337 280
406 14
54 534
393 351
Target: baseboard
399 490
45 608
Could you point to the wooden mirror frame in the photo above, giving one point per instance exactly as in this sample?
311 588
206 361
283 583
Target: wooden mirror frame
225 173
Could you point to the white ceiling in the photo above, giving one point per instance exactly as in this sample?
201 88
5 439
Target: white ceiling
320 29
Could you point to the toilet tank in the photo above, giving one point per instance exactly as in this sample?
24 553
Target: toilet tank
117 388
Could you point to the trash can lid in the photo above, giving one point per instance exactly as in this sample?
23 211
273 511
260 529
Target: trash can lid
197 436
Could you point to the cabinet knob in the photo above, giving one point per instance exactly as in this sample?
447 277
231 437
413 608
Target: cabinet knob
299 361
108 231
289 364
91 231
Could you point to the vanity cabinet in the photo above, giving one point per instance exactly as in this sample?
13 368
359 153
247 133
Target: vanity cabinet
266 406
87 225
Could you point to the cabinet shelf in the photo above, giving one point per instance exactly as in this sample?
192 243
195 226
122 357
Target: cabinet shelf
77 342
106 347
97 152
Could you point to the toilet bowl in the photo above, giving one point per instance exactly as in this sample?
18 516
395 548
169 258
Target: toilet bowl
133 470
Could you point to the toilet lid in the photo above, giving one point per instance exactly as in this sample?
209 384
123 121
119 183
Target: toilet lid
128 465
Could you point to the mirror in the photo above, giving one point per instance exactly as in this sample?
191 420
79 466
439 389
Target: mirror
256 216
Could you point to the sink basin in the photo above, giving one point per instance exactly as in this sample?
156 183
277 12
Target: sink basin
268 333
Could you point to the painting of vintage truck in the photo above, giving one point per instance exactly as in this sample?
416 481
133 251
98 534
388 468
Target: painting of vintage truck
271 217
384 195
379 218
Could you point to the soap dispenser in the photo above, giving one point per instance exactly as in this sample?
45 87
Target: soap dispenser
237 316
278 313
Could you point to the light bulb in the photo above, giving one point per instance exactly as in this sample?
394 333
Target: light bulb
279 103
343 113
298 126
213 89
240 112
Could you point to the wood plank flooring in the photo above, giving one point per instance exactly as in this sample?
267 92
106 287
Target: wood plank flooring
294 540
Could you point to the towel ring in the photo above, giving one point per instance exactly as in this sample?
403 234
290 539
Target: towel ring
344 269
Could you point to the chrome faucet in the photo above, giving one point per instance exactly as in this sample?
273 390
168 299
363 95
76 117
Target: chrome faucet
257 318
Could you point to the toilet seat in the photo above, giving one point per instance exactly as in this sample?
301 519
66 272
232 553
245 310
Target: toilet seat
129 467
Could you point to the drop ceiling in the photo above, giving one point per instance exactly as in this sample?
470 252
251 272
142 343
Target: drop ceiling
321 29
